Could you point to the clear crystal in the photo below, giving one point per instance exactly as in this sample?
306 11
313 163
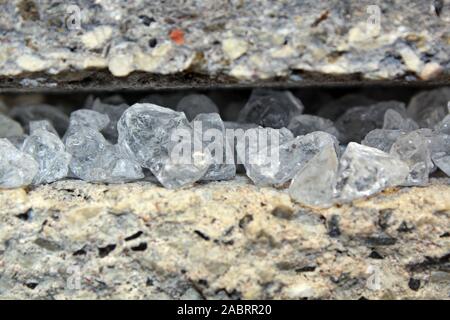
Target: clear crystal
161 140
382 139
414 150
364 171
25 114
357 122
314 184
443 127
114 112
395 121
270 108
42 124
428 108
195 104
305 123
440 152
17 169
18 141
94 159
278 163
49 152
89 118
9 127
212 133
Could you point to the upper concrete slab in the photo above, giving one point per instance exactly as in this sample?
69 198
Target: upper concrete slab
164 44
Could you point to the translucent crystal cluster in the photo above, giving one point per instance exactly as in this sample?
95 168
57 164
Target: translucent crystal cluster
150 133
94 159
350 148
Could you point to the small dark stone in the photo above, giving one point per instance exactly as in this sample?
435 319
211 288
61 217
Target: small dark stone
104 251
26 215
384 217
283 212
146 20
381 241
201 235
134 236
140 247
375 255
31 285
305 269
333 227
405 227
152 42
438 6
80 252
245 221
414 284
149 282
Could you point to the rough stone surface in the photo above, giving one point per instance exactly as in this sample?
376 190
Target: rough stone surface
237 41
75 240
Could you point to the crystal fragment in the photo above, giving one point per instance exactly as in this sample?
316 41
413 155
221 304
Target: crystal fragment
364 171
17 169
382 139
443 127
9 127
278 163
314 184
212 131
428 108
94 159
25 114
161 140
89 118
414 150
333 109
18 141
305 123
114 112
395 121
356 122
270 108
440 152
49 152
195 104
42 124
